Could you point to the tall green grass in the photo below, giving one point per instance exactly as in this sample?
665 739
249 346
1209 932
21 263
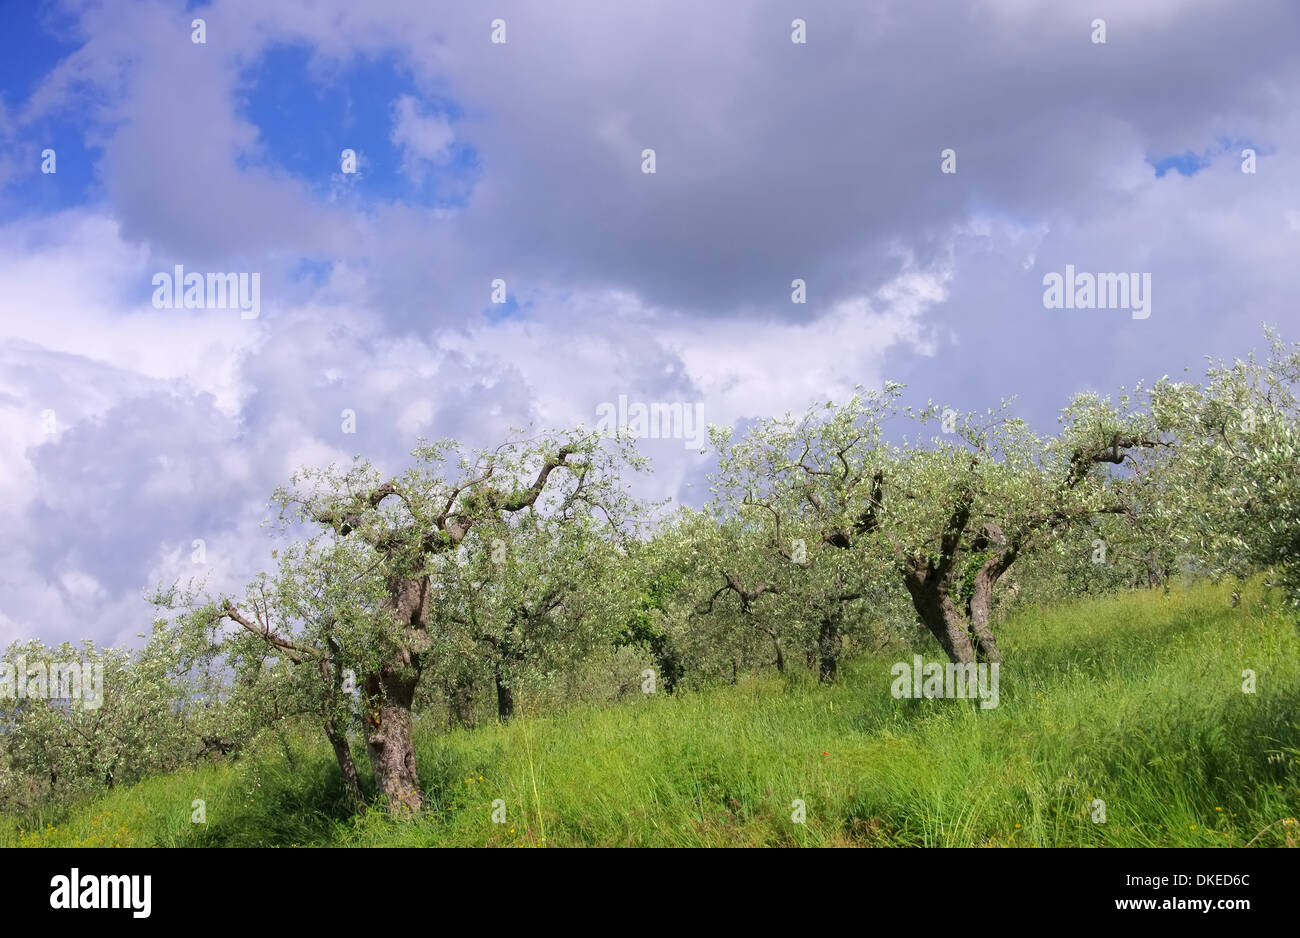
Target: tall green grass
1134 699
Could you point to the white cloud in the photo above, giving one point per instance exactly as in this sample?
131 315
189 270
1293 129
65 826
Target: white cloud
423 138
775 162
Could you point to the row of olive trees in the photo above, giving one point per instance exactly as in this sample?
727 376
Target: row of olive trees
76 721
481 573
819 515
521 562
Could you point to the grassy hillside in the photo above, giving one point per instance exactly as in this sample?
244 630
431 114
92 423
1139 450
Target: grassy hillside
1135 699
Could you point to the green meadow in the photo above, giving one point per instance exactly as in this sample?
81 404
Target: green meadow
1134 700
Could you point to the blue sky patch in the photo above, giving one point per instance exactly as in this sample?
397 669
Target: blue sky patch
1189 163
33 41
500 312
1185 164
308 111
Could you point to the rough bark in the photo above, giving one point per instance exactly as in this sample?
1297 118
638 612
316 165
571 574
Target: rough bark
930 583
938 614
980 605
390 694
986 646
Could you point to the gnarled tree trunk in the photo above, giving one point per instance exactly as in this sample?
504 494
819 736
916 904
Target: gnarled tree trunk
986 646
390 692
980 605
938 614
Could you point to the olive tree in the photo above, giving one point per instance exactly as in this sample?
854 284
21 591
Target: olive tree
943 515
534 595
387 605
1234 494
78 720
788 489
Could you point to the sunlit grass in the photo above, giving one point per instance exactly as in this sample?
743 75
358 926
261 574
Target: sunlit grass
1134 700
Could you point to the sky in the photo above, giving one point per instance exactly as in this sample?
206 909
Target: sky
129 432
